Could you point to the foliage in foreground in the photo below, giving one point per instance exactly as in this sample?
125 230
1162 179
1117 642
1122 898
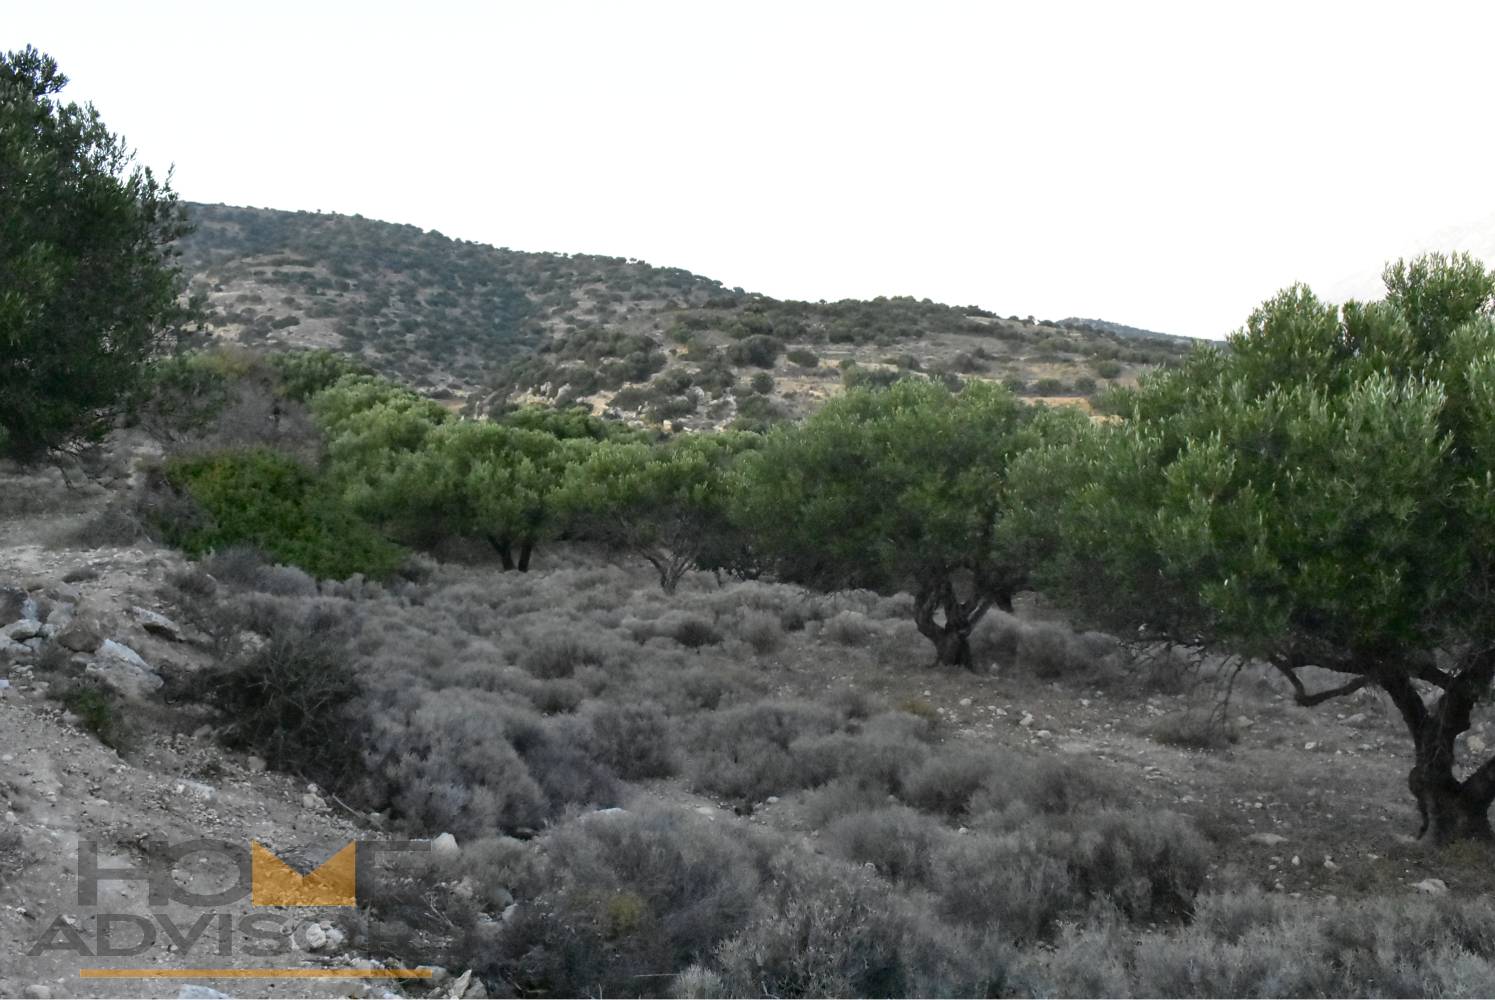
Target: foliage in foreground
89 291
1317 495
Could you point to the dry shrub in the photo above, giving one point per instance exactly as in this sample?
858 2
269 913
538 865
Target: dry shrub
946 782
619 900
849 628
1002 883
636 740
760 630
823 928
558 653
994 640
1193 730
1049 651
745 753
895 840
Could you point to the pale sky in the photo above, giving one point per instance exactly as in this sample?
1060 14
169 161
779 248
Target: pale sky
1167 165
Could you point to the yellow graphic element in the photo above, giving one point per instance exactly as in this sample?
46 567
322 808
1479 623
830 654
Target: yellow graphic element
275 883
254 973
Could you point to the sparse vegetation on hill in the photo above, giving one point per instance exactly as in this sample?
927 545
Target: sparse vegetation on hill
656 345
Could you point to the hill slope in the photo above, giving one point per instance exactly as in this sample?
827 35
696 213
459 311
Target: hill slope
468 321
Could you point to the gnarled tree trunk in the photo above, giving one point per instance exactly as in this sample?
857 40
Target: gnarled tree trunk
1451 809
947 621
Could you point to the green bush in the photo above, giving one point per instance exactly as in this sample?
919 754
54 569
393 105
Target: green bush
259 498
804 358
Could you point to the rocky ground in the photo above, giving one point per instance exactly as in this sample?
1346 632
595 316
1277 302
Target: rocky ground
62 789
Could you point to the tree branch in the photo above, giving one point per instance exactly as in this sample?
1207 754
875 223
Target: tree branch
1300 691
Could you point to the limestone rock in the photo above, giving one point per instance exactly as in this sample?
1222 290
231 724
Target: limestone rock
122 669
1432 886
445 846
157 624
1266 839
20 631
81 636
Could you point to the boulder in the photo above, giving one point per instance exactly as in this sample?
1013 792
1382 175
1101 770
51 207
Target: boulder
121 668
20 631
157 624
445 846
1267 839
81 635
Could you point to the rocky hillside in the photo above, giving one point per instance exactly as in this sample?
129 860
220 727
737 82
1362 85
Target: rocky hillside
465 321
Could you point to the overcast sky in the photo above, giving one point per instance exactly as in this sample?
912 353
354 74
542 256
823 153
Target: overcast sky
1163 165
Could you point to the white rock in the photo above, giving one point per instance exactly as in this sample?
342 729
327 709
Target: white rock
965 703
445 846
192 991
315 937
26 628
1476 745
1026 720
196 790
1432 886
122 669
313 801
254 764
1310 745
157 624
1266 839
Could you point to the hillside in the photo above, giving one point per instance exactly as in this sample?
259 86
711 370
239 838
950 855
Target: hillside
465 321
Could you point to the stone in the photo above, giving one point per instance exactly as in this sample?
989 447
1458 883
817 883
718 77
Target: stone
11 650
316 937
1432 886
313 801
122 669
81 636
1266 839
254 765
196 790
1358 719
193 991
1026 720
1476 745
157 624
20 631
37 992
445 846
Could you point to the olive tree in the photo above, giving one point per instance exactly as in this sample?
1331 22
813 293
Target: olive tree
89 290
664 503
896 488
1317 494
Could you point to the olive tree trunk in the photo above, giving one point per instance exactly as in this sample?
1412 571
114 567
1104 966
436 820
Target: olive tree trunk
947 621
